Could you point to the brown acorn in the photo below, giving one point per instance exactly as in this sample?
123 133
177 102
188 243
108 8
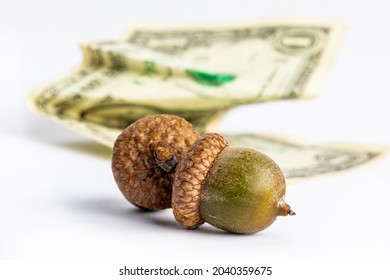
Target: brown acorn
144 155
232 188
160 161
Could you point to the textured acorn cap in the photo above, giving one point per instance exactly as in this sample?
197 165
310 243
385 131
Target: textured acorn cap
135 168
191 173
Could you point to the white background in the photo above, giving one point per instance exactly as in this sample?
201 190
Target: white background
58 199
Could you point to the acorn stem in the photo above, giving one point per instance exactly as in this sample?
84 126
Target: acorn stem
165 158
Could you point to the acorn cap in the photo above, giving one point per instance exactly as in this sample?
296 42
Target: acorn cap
191 173
144 155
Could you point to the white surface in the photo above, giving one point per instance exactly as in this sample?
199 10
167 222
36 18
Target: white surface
58 199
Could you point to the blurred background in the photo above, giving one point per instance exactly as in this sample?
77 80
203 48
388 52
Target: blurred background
39 41
56 187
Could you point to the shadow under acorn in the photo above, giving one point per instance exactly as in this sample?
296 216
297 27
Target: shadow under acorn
116 209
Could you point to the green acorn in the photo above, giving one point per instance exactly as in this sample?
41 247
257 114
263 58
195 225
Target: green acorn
236 189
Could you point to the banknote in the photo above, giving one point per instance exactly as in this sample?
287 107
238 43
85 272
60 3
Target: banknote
200 73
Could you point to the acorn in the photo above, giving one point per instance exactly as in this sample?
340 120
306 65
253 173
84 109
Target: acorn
160 161
144 155
236 189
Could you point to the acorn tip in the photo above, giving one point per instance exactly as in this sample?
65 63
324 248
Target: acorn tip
291 213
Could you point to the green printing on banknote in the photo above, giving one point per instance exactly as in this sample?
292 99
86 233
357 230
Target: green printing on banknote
210 79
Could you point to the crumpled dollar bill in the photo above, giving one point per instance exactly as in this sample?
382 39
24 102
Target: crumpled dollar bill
200 73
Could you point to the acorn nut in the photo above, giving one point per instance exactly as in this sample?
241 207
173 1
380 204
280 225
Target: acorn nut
144 155
160 161
236 189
